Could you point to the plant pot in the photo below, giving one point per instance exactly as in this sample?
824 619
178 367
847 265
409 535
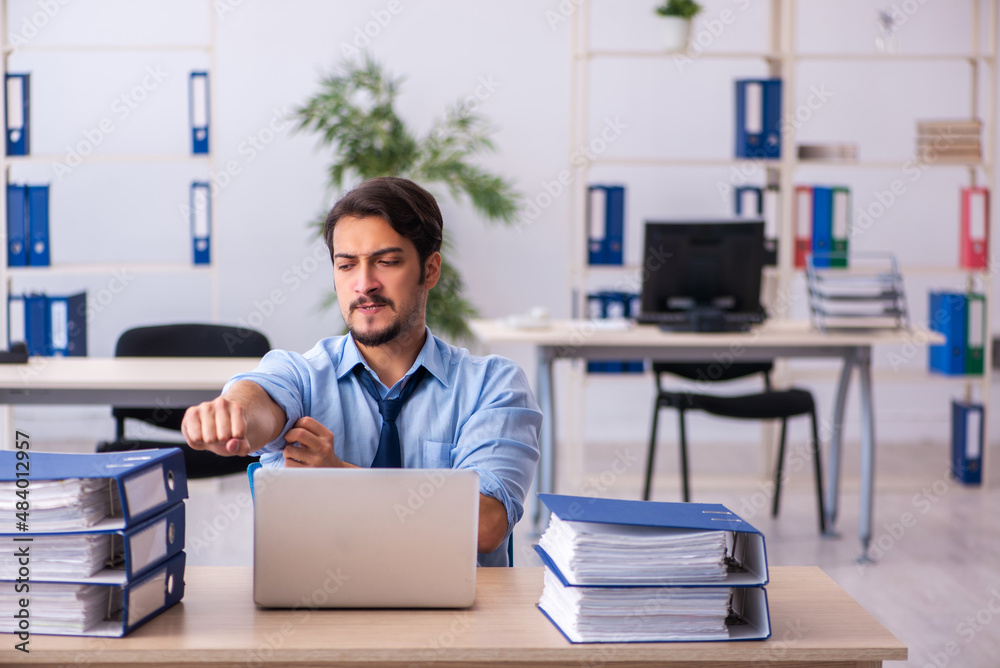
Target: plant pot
676 33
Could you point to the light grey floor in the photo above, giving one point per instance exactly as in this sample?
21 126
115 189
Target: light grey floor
936 584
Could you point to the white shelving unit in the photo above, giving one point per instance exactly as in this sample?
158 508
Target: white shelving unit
25 276
782 59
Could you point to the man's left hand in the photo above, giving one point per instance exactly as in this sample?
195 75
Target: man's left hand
310 444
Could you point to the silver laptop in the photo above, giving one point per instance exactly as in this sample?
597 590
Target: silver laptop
365 538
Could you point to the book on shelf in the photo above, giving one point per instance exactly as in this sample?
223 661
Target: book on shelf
643 571
967 442
960 317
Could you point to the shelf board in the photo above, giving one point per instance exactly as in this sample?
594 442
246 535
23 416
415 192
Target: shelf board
97 48
682 162
661 53
111 158
779 163
106 268
898 57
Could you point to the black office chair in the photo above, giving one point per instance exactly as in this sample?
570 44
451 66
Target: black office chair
182 340
767 405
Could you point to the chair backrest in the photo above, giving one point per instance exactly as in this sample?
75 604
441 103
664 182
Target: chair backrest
714 371
182 340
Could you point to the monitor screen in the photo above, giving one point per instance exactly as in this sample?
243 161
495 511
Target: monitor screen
702 266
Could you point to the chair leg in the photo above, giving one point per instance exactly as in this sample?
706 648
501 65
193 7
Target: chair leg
778 468
818 471
652 449
684 455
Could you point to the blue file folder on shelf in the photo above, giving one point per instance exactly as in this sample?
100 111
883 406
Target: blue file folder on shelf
199 112
613 304
104 556
137 485
967 442
101 610
948 316
201 222
758 118
38 226
17 114
36 324
822 232
17 225
606 224
67 326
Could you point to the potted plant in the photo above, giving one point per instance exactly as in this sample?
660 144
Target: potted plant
355 116
677 15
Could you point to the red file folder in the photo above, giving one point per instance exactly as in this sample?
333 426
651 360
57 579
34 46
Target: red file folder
975 241
803 212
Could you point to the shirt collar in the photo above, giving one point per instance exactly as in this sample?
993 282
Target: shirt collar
429 357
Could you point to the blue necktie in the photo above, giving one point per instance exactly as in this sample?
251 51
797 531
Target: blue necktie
389 454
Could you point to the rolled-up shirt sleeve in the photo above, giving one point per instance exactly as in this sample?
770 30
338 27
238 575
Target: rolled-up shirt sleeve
282 375
500 438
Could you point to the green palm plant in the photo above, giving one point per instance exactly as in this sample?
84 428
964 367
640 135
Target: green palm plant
355 116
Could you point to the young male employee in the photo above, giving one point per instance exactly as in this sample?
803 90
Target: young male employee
334 406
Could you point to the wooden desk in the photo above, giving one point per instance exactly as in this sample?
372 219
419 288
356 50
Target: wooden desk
146 381
814 623
585 339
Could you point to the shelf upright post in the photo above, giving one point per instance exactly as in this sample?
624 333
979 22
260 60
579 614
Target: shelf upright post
989 154
213 106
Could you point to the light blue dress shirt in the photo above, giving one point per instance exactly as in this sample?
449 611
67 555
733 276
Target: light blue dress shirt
467 413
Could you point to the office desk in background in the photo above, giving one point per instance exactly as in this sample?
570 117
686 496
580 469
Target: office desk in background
588 340
122 381
813 621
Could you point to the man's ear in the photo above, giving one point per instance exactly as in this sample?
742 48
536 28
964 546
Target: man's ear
432 270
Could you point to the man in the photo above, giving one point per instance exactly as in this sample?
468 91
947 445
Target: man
320 409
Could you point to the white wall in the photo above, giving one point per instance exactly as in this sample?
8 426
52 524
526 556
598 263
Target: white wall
268 58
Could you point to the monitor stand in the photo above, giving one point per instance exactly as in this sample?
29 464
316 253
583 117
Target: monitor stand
704 319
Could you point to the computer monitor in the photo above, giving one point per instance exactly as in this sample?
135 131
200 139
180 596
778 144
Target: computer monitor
702 276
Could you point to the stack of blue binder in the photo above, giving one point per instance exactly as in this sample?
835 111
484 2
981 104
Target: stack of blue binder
50 325
643 571
92 543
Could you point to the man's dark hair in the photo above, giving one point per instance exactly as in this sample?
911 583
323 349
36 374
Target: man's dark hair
409 209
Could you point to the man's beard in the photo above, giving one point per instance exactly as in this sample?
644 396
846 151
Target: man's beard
401 323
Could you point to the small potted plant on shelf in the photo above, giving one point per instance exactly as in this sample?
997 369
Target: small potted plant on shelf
677 15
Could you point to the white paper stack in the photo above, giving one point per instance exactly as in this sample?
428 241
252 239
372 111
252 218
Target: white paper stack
609 554
62 556
60 505
636 614
60 608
